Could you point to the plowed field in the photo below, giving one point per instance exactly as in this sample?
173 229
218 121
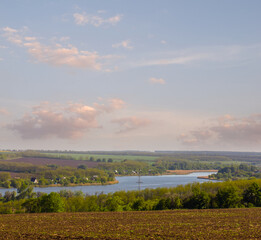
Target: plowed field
177 224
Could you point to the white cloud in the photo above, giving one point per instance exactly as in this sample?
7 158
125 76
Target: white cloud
9 30
70 56
163 42
30 39
124 44
57 54
157 80
12 35
220 54
176 60
83 19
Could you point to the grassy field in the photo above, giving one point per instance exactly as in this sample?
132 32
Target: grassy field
177 224
116 158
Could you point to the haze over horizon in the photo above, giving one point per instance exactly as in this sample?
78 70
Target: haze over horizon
143 75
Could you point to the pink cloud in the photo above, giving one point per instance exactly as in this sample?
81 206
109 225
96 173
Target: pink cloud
195 137
12 35
58 56
228 130
157 80
53 120
111 105
3 111
45 122
240 129
131 123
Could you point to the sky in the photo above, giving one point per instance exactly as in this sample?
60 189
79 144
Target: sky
130 75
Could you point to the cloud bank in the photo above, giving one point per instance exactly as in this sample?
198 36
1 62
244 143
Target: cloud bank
131 123
227 130
66 122
4 112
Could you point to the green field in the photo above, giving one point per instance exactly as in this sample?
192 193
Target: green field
116 158
176 224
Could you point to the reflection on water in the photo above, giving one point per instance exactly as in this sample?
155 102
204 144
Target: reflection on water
130 183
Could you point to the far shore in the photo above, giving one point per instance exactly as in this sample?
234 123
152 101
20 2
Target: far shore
78 184
183 172
72 184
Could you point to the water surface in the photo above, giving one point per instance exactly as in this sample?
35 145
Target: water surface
129 183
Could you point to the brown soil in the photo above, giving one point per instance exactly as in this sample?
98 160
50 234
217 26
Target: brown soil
177 224
60 162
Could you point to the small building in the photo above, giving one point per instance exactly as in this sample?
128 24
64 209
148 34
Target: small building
94 177
34 180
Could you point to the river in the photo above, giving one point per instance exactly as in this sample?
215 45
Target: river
129 183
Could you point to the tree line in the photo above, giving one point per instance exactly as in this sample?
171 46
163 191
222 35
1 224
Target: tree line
50 174
235 194
235 172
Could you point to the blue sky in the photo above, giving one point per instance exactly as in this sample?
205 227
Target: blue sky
125 75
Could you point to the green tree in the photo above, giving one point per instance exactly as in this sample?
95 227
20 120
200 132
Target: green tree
252 195
9 196
138 204
174 202
228 197
52 203
91 203
6 184
4 176
32 205
25 191
82 166
161 205
114 203
199 200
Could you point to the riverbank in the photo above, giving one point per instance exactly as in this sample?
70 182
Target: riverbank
73 184
78 184
184 172
207 178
